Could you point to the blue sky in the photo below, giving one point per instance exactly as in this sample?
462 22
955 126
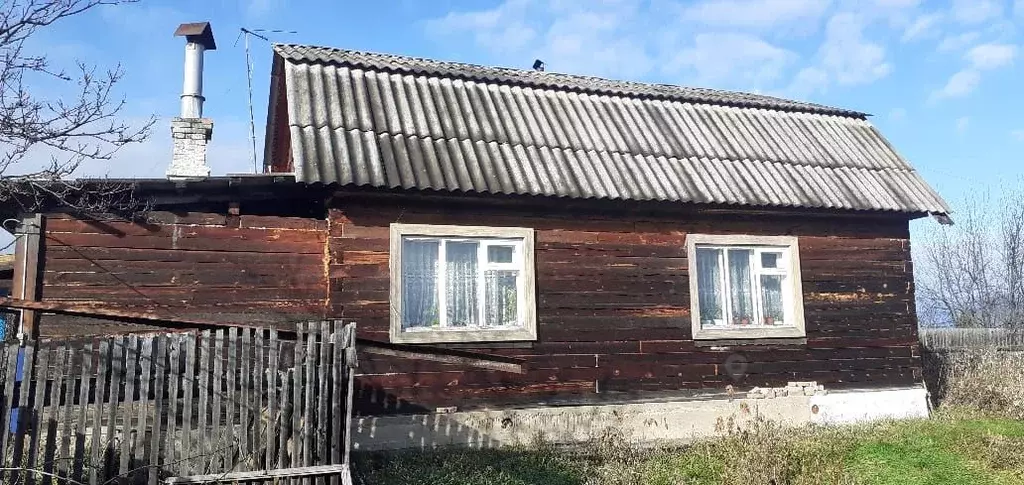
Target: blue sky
942 78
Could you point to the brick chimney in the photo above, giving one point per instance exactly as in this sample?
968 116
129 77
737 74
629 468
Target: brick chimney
190 131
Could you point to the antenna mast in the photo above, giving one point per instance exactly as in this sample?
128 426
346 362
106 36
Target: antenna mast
244 32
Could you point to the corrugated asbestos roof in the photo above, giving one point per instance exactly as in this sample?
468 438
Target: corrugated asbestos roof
397 122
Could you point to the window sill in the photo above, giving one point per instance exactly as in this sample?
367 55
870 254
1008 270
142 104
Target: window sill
749 333
462 336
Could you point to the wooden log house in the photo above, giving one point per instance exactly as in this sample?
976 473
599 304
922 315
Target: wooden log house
623 240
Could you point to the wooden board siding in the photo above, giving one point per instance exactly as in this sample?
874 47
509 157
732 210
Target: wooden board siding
238 268
613 307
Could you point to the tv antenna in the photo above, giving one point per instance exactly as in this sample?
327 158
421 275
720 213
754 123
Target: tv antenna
259 34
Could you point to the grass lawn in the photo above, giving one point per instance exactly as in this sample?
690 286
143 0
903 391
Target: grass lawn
943 450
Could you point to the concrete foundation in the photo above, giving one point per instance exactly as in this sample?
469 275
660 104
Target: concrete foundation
654 423
852 407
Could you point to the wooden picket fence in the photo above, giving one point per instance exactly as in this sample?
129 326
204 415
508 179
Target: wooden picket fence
944 339
198 407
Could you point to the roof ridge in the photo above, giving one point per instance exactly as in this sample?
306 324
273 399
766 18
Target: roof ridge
551 79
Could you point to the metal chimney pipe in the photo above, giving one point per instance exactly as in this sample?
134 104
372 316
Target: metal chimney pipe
192 90
199 39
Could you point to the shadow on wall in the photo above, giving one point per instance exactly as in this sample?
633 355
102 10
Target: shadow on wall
372 400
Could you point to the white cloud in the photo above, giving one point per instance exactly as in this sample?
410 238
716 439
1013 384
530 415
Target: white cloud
730 44
953 43
979 58
717 57
991 56
142 18
973 12
923 26
850 58
846 57
610 38
962 123
960 84
255 9
624 39
897 4
502 28
755 14
807 81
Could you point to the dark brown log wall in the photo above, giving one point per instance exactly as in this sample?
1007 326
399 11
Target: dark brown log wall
613 307
255 269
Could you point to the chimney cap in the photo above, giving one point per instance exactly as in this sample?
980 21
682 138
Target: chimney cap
198 32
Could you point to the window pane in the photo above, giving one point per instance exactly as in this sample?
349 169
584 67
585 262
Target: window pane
771 295
739 285
502 308
460 282
419 284
500 254
770 260
709 286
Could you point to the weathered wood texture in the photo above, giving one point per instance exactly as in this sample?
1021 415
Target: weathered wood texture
613 307
143 408
258 269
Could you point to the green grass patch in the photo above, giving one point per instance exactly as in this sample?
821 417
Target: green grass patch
944 450
940 452
912 460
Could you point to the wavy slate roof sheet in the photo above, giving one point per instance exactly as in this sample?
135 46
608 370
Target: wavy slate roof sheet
357 118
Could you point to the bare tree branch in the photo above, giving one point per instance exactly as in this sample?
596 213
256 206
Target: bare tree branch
972 274
83 125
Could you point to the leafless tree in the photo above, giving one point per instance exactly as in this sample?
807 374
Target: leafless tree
972 274
81 123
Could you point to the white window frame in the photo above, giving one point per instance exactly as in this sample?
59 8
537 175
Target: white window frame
792 292
523 261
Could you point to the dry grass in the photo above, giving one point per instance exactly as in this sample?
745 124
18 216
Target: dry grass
985 380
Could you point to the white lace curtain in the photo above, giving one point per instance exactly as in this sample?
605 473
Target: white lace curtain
461 274
771 295
740 287
419 284
709 285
